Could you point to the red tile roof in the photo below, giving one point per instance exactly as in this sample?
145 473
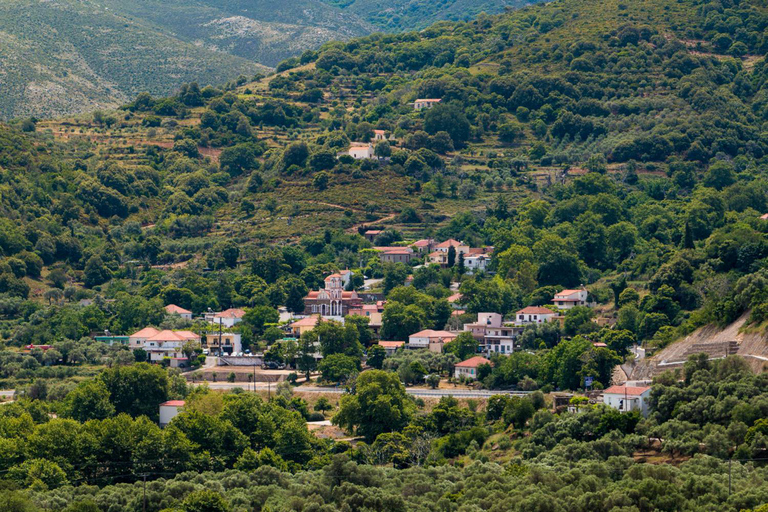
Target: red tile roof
449 243
473 362
535 310
174 403
231 313
392 344
173 308
627 390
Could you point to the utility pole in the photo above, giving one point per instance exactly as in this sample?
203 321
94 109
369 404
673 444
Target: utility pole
144 501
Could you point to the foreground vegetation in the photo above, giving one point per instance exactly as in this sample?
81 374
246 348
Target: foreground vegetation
236 452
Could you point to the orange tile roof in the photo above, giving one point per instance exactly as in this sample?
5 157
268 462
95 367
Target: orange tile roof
627 390
430 333
173 308
231 313
174 403
309 321
146 332
473 362
535 310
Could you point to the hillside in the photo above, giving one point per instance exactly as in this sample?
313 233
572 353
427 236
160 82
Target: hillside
263 31
734 339
398 15
72 56
618 148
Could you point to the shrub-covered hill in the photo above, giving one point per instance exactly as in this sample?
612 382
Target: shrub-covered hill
605 146
399 15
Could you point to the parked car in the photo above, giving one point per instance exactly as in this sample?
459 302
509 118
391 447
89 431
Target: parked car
272 365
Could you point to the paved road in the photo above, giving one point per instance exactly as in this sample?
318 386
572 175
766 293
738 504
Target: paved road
7 392
420 392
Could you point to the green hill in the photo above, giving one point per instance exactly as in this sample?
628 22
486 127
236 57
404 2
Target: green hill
586 144
397 15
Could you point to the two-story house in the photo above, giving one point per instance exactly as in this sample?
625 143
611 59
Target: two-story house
568 299
492 335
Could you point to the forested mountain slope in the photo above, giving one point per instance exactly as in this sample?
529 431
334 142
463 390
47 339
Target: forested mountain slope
621 147
71 56
259 30
399 15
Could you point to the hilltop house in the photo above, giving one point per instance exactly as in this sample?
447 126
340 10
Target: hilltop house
333 300
423 246
371 234
468 368
474 263
173 309
422 104
431 339
491 333
460 247
568 299
534 315
227 318
381 135
628 398
361 152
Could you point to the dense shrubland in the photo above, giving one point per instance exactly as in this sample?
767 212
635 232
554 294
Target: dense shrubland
240 452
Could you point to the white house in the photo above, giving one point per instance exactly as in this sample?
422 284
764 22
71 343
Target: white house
568 299
534 315
362 152
422 104
474 263
431 339
469 367
173 309
381 135
169 410
628 398
227 318
169 344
